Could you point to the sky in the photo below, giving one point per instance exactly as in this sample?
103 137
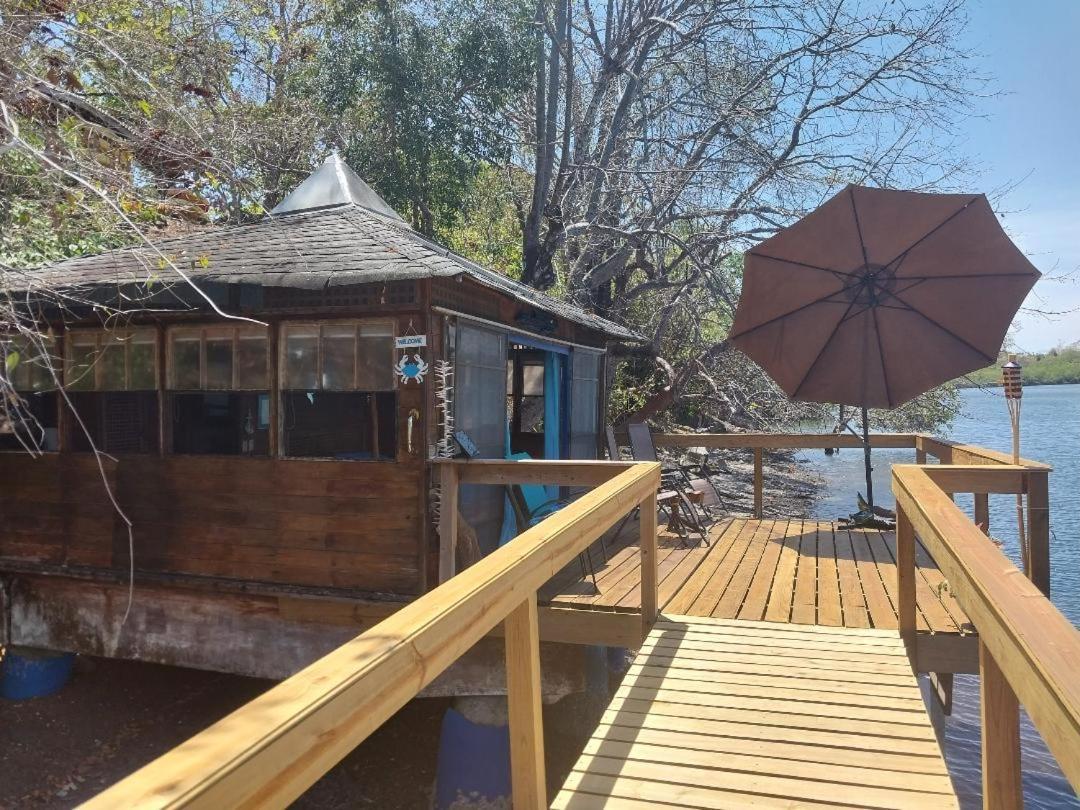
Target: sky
1028 135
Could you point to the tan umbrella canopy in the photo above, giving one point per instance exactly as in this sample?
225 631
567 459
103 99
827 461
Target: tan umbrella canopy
877 296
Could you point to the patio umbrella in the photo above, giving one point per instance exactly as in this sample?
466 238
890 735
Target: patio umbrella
878 296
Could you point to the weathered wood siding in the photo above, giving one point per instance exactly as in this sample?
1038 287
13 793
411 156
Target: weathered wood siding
326 524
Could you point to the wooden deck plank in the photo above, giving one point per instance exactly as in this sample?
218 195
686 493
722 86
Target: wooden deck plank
886 564
879 605
829 610
782 592
735 592
757 594
785 572
700 722
722 546
852 596
804 599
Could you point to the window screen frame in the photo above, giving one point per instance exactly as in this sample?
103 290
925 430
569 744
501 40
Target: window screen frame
318 326
103 337
210 334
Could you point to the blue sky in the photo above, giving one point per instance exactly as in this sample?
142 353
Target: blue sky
1030 135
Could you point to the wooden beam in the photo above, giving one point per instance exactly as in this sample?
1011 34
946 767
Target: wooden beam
1038 529
650 582
905 582
982 512
759 485
1000 715
977 478
947 653
448 520
534 471
1035 647
780 441
527 778
949 452
271 750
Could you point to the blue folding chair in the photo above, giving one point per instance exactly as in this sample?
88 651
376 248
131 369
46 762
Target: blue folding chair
532 503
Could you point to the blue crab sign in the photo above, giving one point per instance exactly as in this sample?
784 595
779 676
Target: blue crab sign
411 367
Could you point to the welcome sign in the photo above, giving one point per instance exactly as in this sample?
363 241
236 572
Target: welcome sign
410 341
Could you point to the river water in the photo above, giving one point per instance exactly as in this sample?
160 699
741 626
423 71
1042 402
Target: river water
1050 421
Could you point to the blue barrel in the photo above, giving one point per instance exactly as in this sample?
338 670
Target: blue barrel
474 763
28 673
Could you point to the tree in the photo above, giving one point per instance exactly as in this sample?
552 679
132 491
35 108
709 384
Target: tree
420 91
667 135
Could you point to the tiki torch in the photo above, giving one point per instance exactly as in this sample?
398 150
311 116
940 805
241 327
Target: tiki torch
1012 382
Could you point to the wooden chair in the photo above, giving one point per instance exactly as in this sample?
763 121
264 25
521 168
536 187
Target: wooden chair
676 492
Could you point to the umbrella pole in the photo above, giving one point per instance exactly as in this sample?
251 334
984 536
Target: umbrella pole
866 459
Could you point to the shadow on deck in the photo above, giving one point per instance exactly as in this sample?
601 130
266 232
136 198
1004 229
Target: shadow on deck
789 571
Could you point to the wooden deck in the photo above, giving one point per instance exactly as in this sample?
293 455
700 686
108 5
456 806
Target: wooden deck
733 714
793 571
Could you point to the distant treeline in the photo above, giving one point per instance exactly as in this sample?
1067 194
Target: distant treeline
1055 367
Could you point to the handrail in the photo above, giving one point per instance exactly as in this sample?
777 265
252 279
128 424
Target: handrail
1029 653
269 751
1033 480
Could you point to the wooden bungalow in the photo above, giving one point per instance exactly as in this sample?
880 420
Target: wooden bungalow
276 468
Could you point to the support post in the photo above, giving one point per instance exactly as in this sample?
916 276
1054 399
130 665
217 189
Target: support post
1000 714
905 585
1038 529
649 575
527 776
759 485
982 511
448 520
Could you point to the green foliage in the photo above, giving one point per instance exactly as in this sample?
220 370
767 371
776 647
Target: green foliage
421 88
1059 366
488 230
40 222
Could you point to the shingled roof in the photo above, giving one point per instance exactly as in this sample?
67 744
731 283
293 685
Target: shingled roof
315 247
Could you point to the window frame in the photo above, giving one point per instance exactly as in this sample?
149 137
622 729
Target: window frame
318 326
207 334
126 337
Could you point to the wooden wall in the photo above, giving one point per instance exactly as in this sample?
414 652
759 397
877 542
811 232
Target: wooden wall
345 525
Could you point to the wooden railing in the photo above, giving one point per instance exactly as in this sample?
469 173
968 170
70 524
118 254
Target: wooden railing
1030 478
271 750
1029 654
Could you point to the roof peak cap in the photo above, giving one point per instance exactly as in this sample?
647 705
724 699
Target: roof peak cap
332 184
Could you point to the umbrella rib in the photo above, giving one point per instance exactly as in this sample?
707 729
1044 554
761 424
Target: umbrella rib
781 317
828 340
858 227
940 326
804 265
965 276
902 254
881 355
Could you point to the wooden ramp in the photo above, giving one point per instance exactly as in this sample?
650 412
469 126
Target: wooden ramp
717 713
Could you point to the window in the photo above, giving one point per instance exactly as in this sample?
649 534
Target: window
32 420
219 380
111 377
338 397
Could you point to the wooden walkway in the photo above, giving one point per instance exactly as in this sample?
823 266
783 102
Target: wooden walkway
791 571
733 714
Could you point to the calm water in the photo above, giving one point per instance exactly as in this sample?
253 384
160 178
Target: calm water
1050 421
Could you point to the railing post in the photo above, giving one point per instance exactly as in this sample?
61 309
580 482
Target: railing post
448 520
759 485
1038 529
1000 714
905 585
982 511
649 577
528 781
